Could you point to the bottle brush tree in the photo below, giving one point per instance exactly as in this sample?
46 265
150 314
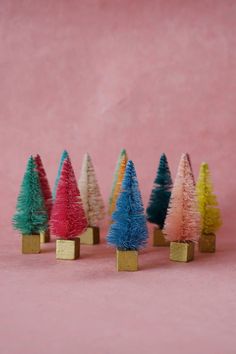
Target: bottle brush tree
183 219
90 193
208 207
31 214
68 218
63 157
182 224
123 153
129 228
118 184
160 195
47 194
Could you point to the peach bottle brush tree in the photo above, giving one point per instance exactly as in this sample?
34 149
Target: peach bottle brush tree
68 220
128 231
159 201
118 177
63 157
208 207
31 216
92 201
182 224
47 195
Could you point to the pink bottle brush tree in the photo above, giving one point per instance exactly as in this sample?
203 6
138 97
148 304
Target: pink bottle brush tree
183 219
68 218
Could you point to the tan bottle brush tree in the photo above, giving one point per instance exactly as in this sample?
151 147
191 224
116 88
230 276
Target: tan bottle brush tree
92 201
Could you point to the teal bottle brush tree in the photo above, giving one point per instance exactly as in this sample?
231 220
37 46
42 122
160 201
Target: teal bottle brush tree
159 201
64 156
31 216
128 231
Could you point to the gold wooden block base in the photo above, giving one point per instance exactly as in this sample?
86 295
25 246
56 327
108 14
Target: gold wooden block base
68 249
207 243
181 251
30 244
159 239
44 236
91 236
126 260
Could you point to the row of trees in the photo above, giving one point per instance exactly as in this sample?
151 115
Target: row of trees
182 210
66 212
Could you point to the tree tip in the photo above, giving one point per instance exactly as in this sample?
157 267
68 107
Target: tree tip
123 151
87 156
204 164
163 155
65 152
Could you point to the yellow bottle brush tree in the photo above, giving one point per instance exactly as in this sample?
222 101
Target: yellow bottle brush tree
118 183
209 210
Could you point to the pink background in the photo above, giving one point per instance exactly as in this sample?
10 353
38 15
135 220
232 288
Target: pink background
96 76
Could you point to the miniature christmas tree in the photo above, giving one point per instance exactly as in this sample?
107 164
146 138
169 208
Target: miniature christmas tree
44 185
208 207
183 219
68 218
90 193
122 154
31 215
117 187
159 201
44 235
92 201
63 157
128 231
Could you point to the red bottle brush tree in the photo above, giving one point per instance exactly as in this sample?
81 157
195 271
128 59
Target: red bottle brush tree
46 191
68 218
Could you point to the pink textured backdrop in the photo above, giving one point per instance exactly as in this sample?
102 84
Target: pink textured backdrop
96 76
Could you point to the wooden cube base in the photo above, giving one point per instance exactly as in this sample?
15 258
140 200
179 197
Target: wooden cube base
181 251
91 236
44 236
30 244
126 260
68 249
159 239
207 243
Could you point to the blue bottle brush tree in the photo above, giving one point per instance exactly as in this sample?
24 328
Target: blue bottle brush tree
128 230
160 195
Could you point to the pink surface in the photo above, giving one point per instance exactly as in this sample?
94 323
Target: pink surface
96 76
85 306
